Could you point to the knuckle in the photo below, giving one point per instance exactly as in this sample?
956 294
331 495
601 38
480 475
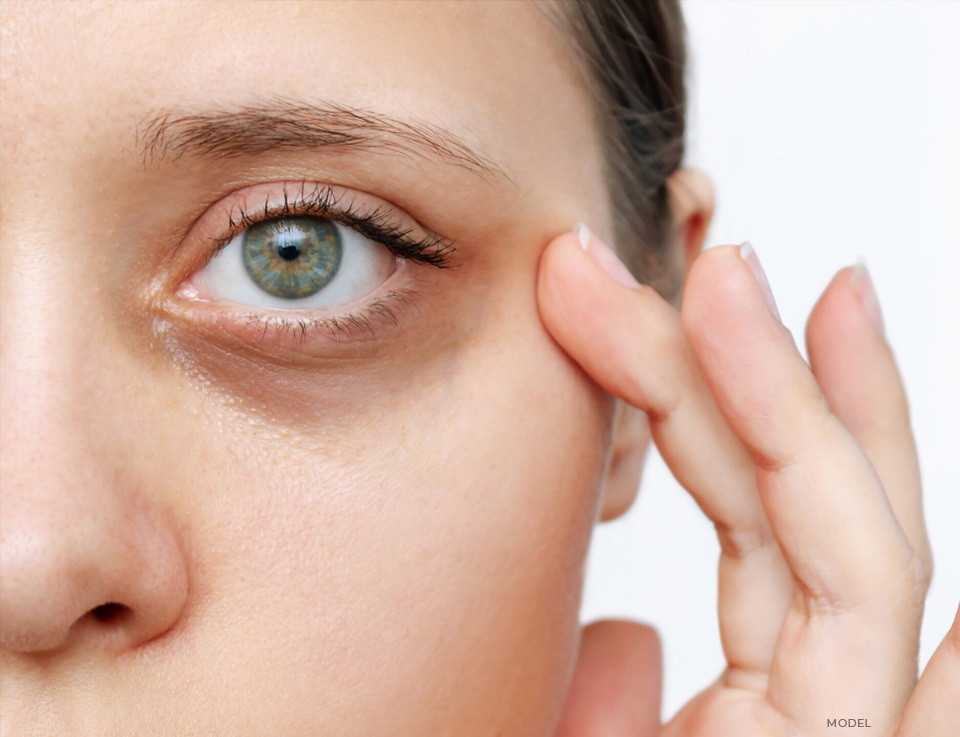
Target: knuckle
926 562
826 604
918 576
813 410
802 434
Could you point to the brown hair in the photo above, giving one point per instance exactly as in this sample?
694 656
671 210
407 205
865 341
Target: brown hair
633 55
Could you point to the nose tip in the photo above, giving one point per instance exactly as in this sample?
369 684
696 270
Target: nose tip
112 583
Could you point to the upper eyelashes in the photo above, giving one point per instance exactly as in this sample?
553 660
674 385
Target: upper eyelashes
326 201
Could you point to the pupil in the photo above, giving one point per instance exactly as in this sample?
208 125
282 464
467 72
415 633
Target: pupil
289 251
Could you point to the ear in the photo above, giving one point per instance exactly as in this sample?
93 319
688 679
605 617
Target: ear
630 442
692 203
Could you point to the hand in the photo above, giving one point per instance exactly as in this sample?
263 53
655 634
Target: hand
810 475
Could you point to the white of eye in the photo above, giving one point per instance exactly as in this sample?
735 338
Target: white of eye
364 265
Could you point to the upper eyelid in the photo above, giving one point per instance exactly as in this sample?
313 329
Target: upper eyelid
337 193
213 226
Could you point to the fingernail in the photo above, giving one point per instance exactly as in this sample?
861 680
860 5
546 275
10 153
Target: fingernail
583 234
606 259
863 284
750 256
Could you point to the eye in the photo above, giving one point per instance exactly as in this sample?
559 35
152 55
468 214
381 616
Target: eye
297 263
287 264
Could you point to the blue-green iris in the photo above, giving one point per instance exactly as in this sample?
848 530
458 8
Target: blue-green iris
293 257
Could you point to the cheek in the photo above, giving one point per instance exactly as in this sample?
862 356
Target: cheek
422 566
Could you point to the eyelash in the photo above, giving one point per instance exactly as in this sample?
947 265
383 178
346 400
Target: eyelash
379 226
432 249
301 330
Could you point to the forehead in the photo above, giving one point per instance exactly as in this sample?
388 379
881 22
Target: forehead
496 74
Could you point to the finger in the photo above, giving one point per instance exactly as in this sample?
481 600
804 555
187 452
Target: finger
856 370
632 343
616 687
934 707
849 641
820 492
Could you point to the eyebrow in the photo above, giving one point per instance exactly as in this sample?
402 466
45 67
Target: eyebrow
281 124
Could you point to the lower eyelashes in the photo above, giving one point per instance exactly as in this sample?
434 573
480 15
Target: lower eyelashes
361 325
305 334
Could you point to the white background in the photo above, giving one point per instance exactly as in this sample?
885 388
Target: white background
830 130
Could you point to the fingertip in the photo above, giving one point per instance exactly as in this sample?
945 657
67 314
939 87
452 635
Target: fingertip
717 276
567 279
617 687
847 306
624 638
851 360
628 340
830 318
580 252
835 305
580 305
563 253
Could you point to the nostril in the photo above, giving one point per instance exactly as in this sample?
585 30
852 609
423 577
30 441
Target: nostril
108 613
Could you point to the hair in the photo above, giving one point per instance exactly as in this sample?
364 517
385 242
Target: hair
633 57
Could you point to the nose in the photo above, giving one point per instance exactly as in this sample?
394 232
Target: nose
92 565
110 576
89 555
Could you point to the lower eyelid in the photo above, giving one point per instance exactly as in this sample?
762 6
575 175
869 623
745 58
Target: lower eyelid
303 334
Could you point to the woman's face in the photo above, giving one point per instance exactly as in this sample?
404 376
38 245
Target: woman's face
369 524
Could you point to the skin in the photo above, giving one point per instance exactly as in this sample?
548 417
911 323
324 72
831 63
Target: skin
386 536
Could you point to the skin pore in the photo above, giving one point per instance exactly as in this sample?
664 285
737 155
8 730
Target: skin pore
338 535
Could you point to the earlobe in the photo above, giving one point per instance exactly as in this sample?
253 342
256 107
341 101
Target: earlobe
631 440
692 203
